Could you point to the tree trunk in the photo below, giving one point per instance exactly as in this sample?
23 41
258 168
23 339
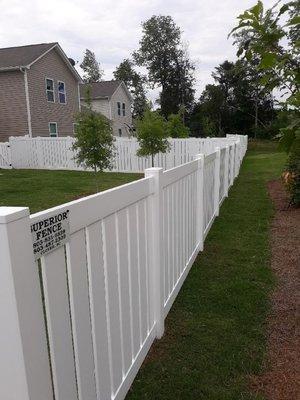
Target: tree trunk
256 117
152 160
96 181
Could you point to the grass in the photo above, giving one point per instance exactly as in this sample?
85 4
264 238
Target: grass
41 189
215 331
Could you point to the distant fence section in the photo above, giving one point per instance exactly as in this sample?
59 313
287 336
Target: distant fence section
5 155
57 153
86 286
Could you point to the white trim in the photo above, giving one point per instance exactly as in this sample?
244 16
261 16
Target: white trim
27 103
79 99
50 79
55 123
42 55
64 92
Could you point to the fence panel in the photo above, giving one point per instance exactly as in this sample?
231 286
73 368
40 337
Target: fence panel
5 156
223 172
209 191
179 226
105 261
57 153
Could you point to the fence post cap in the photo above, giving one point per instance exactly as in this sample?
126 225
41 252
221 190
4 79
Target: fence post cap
153 171
198 156
10 214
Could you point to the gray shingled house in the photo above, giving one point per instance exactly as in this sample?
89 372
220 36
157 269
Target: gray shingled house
39 91
112 99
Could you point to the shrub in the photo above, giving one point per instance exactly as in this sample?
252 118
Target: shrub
291 176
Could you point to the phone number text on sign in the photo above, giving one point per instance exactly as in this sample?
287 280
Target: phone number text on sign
50 233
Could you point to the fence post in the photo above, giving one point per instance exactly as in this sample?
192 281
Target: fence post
217 182
200 201
24 364
226 180
157 248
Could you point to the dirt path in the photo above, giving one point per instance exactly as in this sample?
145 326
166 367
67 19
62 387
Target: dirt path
281 379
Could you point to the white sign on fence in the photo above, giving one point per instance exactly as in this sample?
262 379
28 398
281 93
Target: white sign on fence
50 233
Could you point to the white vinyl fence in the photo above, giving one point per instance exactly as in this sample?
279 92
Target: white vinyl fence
81 306
57 153
5 155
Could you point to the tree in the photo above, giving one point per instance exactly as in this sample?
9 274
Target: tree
136 84
175 126
236 103
260 34
91 68
212 101
152 135
167 62
275 42
94 140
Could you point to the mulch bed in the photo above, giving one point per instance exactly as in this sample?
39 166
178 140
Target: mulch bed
281 377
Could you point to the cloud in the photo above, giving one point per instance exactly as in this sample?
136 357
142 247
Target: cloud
112 29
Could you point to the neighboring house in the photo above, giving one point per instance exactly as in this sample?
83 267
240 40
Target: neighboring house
112 99
39 91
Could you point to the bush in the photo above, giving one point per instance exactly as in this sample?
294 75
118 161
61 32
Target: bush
291 176
176 127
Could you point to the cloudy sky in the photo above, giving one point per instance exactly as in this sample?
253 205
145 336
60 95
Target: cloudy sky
112 29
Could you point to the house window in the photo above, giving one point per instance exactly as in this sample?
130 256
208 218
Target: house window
119 108
50 90
120 132
61 92
123 109
53 129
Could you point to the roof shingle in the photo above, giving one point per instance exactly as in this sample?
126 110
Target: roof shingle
14 57
99 89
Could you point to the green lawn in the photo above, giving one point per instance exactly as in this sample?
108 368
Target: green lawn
215 330
41 189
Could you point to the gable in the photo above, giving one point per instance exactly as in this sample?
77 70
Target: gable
122 94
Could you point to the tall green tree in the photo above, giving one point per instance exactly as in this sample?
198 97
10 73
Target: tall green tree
273 37
91 67
275 43
152 135
136 84
162 53
237 102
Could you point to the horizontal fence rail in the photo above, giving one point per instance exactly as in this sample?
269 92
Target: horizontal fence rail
57 153
86 286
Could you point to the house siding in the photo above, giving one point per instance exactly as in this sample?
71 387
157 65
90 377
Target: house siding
119 121
101 106
13 111
42 112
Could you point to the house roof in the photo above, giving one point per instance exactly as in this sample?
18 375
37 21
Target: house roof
103 89
14 58
22 56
